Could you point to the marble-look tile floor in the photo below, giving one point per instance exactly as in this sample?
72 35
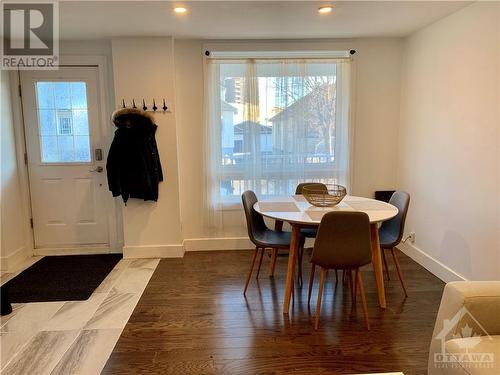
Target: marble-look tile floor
72 337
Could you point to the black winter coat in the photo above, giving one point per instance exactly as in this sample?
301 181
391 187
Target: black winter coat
133 164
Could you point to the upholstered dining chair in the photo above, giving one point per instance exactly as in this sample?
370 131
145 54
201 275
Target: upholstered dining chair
310 232
317 186
261 236
307 232
343 243
391 232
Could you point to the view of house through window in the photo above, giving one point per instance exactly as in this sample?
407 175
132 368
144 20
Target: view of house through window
278 123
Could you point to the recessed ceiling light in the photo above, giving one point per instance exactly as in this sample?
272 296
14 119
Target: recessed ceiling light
180 10
325 9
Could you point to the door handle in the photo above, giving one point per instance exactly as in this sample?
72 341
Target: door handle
98 169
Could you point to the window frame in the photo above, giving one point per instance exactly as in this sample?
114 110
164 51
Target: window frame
321 171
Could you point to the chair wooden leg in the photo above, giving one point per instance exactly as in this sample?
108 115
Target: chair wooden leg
385 264
278 226
363 297
299 260
260 263
398 269
336 276
274 255
251 270
355 291
311 282
322 277
350 283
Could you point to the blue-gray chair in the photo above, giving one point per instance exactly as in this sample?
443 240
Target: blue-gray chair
318 186
307 232
261 236
391 232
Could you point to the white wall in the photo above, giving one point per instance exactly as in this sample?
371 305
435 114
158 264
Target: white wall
378 64
144 68
449 158
13 240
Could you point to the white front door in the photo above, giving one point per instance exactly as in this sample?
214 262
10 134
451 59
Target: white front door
66 161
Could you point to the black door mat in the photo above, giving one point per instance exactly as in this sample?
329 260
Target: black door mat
60 278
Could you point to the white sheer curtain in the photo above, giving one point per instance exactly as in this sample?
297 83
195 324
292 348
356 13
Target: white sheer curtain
270 124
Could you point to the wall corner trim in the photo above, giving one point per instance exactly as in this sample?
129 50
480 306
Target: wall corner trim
11 261
153 251
431 264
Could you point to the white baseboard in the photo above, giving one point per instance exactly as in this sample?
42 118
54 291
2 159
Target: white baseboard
227 243
72 251
10 262
153 251
431 264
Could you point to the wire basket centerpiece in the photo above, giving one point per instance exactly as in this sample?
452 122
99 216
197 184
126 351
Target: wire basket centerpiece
324 195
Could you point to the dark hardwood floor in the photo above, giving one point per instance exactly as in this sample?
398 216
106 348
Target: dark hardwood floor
193 319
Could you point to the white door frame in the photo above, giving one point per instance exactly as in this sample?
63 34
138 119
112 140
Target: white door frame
114 216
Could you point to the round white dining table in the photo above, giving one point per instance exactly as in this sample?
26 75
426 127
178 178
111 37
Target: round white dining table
296 211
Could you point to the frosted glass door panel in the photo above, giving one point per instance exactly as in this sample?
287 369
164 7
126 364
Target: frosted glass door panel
63 122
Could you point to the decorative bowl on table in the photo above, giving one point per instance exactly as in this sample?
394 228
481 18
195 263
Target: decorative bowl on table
318 196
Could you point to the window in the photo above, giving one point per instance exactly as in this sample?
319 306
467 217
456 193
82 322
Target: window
275 123
63 122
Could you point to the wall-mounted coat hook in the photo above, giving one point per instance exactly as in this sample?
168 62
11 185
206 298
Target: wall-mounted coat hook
146 106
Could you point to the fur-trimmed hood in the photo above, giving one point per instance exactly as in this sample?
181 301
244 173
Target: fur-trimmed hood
128 114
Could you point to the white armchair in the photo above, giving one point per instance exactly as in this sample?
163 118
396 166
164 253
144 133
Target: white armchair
466 338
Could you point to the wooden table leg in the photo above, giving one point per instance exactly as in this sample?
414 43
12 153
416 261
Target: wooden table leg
294 245
278 225
377 264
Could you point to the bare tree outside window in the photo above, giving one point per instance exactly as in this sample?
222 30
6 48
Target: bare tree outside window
277 126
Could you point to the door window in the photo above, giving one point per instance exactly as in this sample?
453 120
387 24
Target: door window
63 122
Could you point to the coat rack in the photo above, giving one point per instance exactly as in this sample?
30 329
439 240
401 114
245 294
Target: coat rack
160 106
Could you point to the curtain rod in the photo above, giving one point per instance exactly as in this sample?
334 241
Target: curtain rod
279 58
279 55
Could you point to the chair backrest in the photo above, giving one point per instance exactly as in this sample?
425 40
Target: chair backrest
317 186
395 226
255 221
343 240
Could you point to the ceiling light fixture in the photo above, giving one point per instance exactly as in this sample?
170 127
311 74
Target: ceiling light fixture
325 9
180 10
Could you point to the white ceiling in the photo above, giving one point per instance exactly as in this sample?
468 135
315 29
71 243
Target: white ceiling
249 19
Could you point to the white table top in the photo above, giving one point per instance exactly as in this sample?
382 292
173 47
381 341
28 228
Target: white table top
295 209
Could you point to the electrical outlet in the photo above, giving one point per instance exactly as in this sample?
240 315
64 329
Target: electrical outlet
412 237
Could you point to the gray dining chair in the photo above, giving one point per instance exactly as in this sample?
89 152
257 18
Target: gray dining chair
391 232
261 236
319 186
307 232
343 243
